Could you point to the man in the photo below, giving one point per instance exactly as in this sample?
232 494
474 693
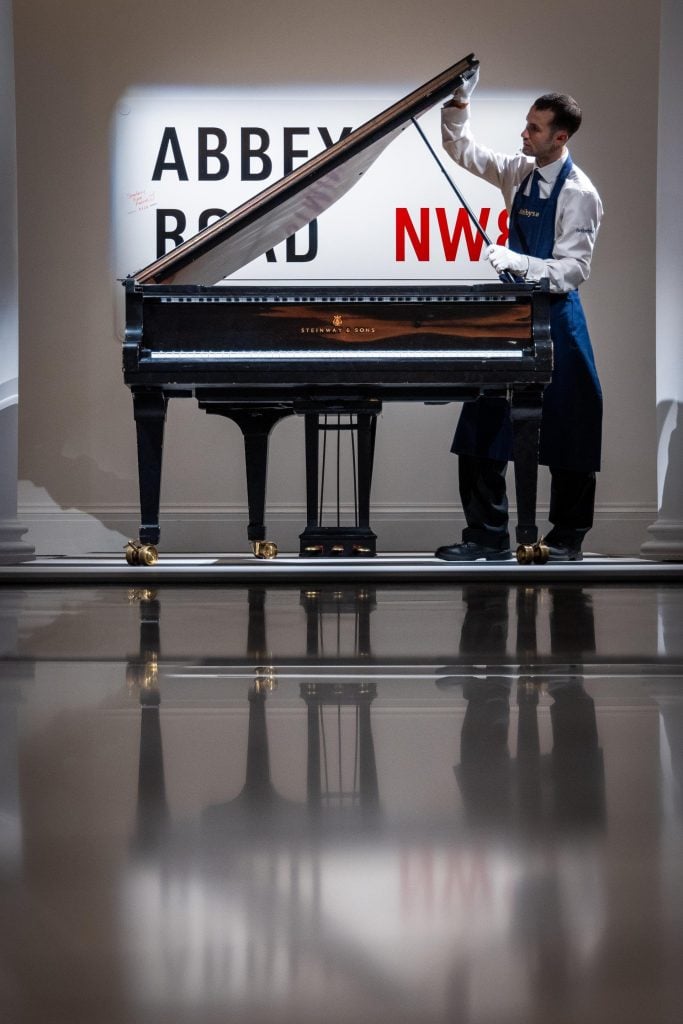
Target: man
555 213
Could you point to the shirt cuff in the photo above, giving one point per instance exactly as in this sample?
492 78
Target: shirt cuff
538 269
456 115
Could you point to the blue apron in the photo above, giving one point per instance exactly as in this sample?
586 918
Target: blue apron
571 423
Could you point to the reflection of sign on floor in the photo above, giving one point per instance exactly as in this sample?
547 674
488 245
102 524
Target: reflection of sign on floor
437 881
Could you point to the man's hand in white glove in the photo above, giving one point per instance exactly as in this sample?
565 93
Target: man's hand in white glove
461 96
502 258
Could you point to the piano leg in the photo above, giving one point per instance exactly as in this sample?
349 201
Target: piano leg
526 424
150 417
256 425
312 442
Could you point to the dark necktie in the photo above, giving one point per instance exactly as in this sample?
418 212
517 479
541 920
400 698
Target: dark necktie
533 191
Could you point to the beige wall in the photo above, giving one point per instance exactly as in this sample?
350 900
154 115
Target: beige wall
74 58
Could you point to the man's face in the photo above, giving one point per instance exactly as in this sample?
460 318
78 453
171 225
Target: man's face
540 140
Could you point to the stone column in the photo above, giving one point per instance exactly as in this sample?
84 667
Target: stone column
666 533
12 548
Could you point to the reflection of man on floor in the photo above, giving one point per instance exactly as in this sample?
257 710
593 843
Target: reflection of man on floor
569 781
536 806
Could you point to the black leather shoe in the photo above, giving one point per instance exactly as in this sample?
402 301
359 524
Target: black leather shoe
563 552
468 551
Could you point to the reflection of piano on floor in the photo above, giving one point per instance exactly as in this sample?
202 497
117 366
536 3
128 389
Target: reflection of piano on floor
565 786
248 874
262 866
255 355
341 771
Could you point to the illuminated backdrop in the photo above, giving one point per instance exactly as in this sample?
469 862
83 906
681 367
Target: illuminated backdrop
182 159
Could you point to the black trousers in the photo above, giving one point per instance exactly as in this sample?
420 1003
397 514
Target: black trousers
483 494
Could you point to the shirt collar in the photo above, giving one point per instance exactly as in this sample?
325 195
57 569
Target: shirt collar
550 172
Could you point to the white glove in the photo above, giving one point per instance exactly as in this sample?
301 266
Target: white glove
466 88
501 258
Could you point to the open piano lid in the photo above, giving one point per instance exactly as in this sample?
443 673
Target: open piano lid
292 202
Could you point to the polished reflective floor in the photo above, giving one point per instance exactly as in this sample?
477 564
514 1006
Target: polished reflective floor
405 803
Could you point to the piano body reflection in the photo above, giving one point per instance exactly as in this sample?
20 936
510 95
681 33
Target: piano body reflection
257 354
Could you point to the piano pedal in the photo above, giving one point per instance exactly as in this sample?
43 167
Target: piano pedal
337 549
264 548
314 549
361 549
141 554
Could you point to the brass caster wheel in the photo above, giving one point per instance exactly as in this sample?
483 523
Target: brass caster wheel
541 553
141 554
264 549
131 551
148 554
525 554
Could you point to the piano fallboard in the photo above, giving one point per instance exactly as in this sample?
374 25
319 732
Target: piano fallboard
411 342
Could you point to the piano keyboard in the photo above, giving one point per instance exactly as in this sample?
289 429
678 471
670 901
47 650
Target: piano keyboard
355 354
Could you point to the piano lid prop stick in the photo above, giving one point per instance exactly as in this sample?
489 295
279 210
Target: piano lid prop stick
506 276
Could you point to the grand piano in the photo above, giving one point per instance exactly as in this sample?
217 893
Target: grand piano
258 354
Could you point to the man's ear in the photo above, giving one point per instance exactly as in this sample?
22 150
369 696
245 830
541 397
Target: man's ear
562 136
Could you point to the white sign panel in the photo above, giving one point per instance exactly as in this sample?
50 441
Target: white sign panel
184 158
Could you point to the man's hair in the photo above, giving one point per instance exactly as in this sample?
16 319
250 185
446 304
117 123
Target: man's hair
566 111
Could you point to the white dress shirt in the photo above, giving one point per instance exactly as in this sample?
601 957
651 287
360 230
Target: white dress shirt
579 209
